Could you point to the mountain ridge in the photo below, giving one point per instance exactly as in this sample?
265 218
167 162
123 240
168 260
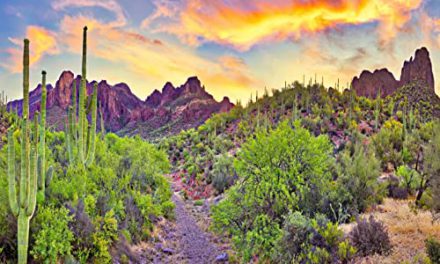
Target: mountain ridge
122 109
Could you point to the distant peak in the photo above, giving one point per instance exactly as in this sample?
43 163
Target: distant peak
193 82
167 87
422 51
67 74
226 100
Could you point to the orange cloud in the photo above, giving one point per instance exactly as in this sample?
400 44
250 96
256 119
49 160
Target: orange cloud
154 60
242 24
42 42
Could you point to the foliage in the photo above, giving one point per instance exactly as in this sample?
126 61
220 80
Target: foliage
124 169
272 183
370 237
357 183
431 173
53 237
433 249
388 143
307 240
409 178
223 173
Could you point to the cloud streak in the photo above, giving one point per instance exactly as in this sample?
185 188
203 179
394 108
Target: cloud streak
43 42
110 5
157 61
244 24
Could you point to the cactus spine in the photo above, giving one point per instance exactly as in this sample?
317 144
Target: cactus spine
24 208
80 135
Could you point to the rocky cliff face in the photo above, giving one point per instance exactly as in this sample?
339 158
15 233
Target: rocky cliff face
418 69
175 108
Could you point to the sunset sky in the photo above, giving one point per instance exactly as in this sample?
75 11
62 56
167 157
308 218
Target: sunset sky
235 47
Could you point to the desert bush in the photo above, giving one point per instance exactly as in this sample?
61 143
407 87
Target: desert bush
357 185
53 237
82 229
410 179
223 173
307 240
397 192
433 249
275 183
389 143
431 172
370 237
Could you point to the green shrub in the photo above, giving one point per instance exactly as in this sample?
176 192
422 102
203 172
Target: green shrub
410 179
307 240
275 183
433 249
53 238
357 185
104 237
223 173
389 144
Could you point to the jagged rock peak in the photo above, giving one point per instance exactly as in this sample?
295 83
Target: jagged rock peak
418 68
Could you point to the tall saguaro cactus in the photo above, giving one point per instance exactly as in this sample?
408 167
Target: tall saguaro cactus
44 177
23 205
80 134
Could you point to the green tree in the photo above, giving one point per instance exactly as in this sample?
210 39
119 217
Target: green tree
279 171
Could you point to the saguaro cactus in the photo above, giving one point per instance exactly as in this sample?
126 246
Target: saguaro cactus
80 134
24 208
377 110
43 181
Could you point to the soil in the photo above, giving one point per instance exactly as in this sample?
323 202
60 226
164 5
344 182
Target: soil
185 240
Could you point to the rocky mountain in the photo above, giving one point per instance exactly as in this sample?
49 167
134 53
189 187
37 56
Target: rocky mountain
123 112
417 69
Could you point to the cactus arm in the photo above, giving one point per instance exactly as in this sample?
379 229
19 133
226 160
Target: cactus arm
84 54
49 175
82 93
92 131
33 183
33 171
81 123
69 136
42 145
23 174
102 122
11 174
75 110
85 132
25 104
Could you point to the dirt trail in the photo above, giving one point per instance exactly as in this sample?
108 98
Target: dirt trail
194 243
185 240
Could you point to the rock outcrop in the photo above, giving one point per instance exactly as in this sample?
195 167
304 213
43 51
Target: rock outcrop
419 69
123 112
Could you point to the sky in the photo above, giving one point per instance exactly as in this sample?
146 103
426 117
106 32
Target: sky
235 47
